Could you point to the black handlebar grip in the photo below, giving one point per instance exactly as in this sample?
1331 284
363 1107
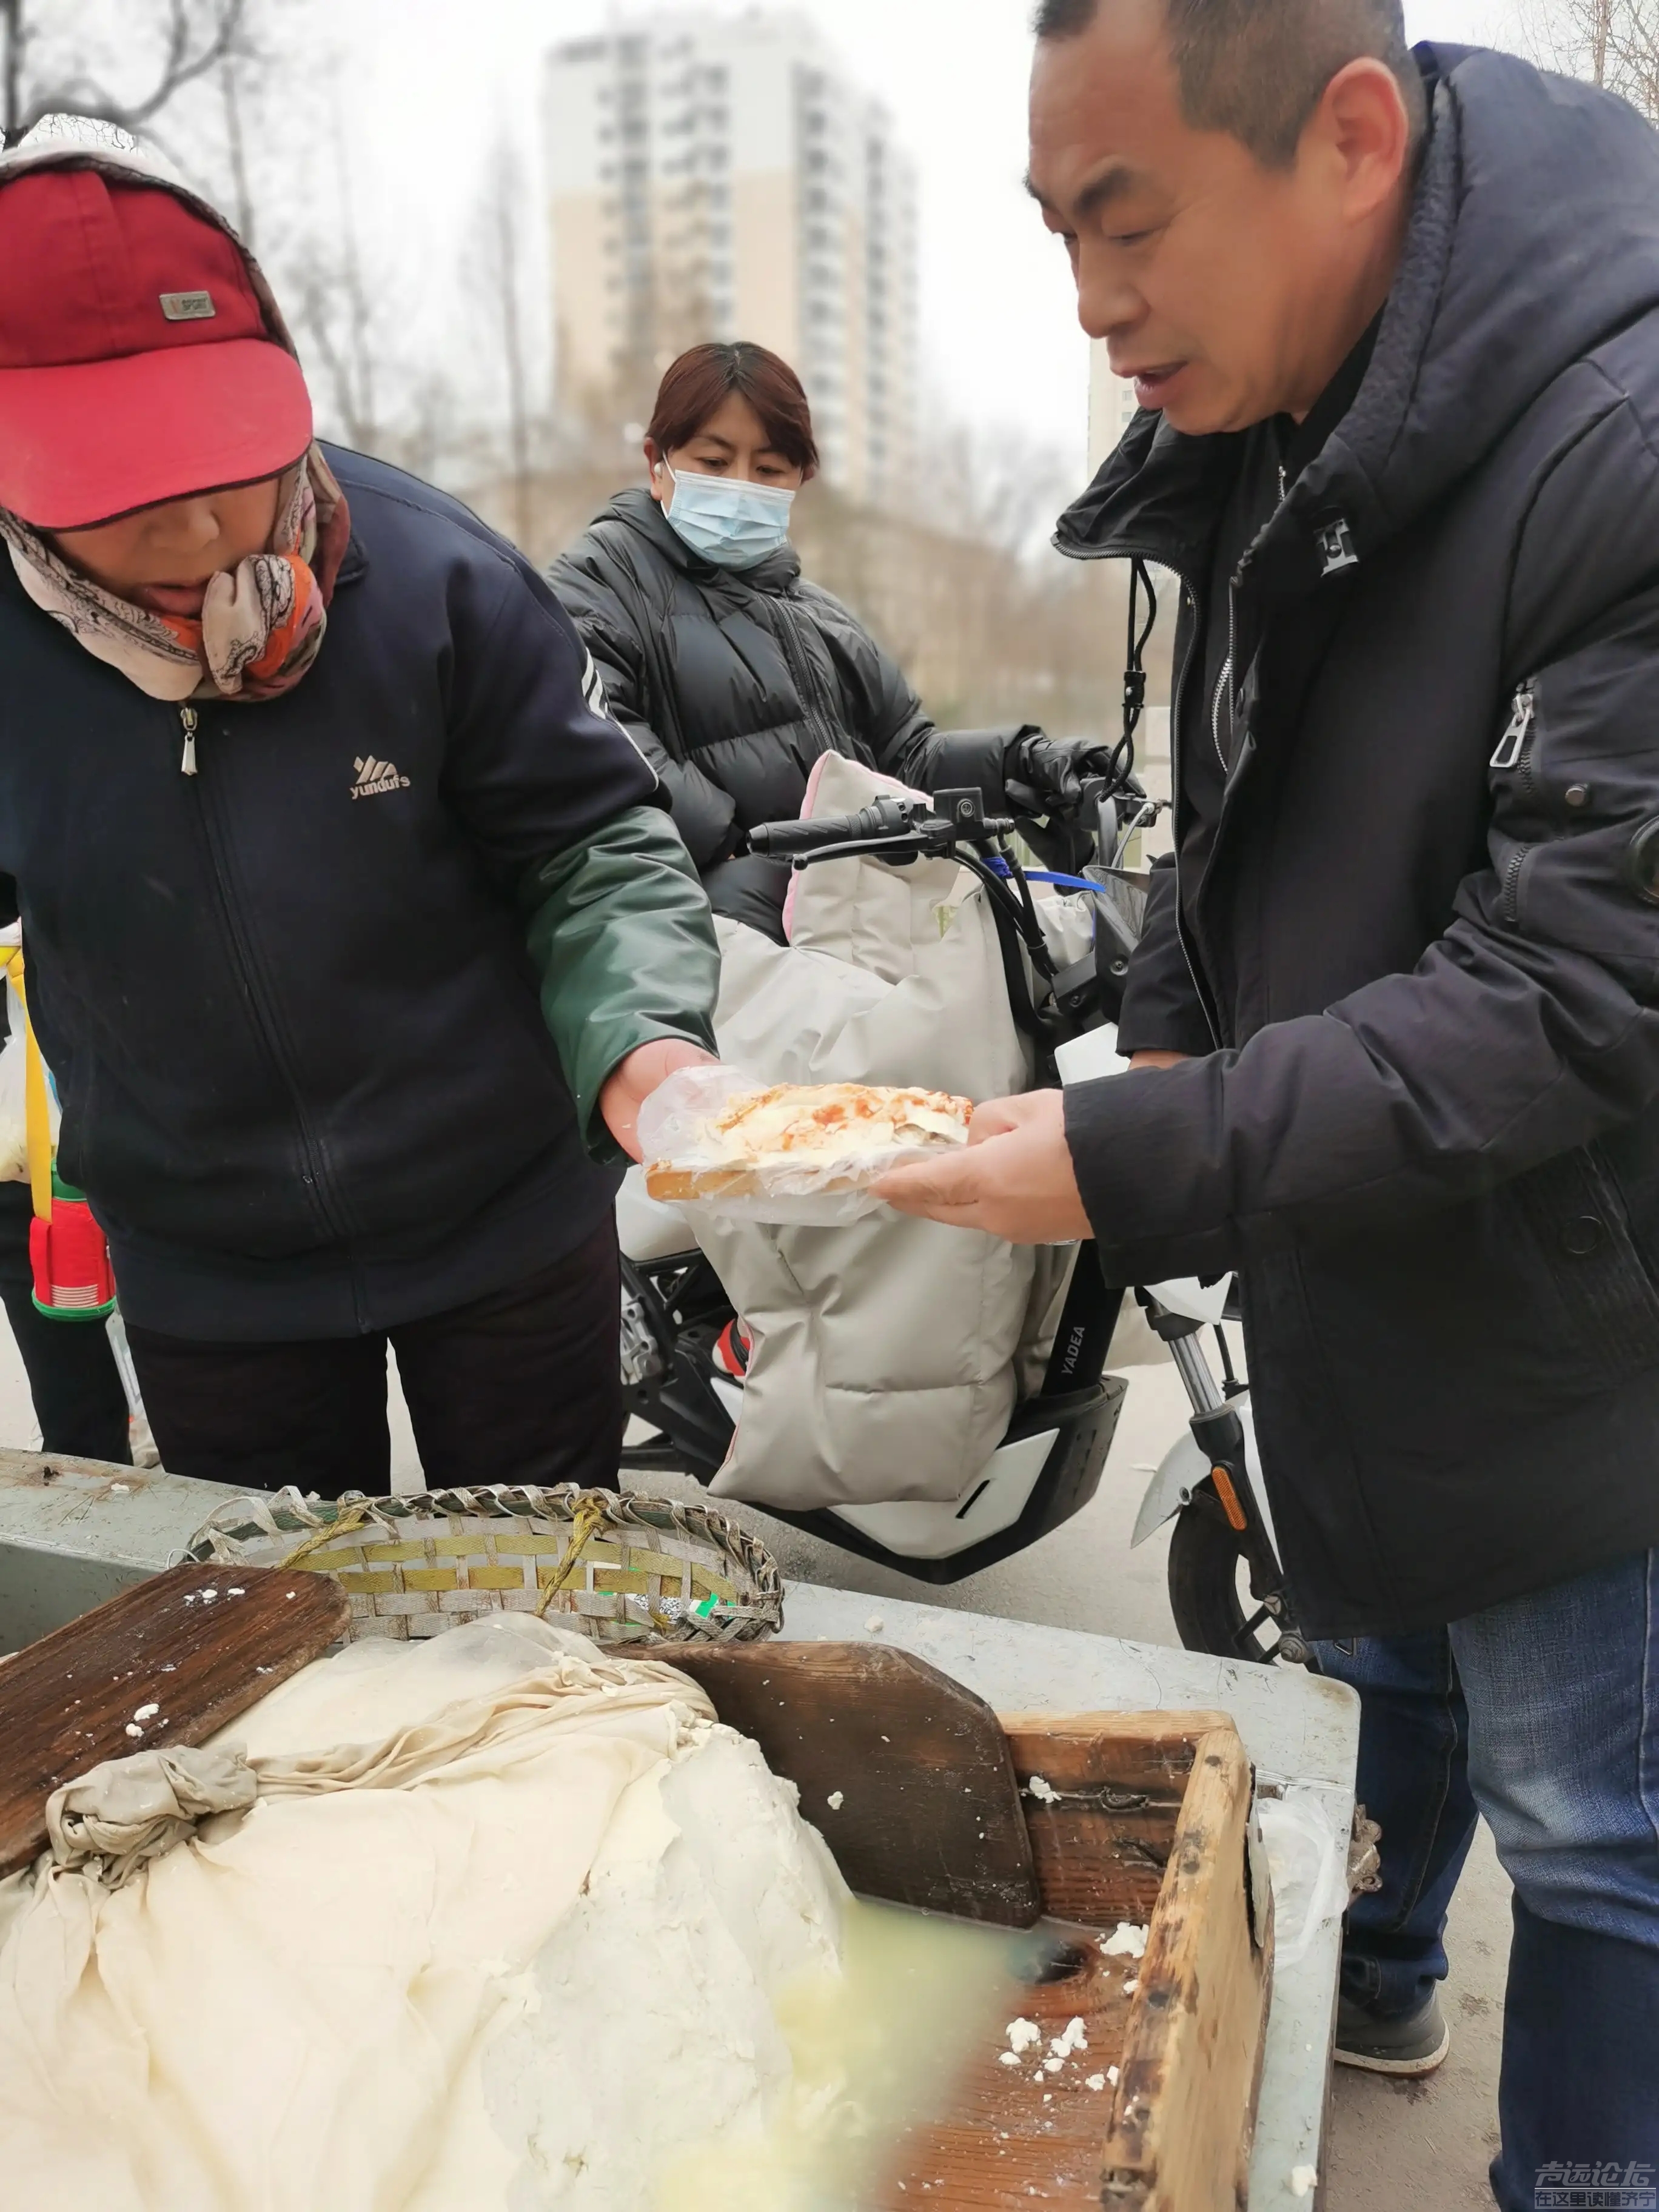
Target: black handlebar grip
887 817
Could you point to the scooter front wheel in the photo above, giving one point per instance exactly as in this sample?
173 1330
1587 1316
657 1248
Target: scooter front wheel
1215 1608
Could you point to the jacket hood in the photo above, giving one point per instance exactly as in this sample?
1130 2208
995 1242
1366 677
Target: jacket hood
1534 237
637 511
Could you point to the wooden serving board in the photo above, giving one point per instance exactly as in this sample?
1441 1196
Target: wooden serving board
199 1643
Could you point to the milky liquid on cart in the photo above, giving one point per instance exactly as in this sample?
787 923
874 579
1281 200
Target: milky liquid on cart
877 2051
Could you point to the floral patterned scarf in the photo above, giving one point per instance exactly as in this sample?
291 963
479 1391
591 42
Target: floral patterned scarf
261 623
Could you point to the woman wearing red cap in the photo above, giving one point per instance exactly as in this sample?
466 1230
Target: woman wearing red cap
357 931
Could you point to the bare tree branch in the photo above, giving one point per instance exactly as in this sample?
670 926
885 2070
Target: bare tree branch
236 147
1611 43
17 37
197 40
499 275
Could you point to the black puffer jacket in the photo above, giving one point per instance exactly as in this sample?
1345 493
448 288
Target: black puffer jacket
733 684
1421 964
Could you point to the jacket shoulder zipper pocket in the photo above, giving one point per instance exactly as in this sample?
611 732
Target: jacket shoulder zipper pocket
187 719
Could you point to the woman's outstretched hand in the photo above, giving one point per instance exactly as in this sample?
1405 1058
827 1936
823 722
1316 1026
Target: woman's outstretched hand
632 1081
1014 1178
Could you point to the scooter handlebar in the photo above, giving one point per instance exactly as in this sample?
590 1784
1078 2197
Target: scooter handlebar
886 818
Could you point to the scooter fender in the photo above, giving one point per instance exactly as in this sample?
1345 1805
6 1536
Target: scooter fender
1184 1467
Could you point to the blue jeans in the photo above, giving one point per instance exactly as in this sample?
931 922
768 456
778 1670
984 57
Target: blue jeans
1544 1715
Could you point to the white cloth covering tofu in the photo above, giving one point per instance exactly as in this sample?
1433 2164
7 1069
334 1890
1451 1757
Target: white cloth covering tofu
505 1928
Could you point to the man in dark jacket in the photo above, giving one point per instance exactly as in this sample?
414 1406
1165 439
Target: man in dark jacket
1395 325
357 931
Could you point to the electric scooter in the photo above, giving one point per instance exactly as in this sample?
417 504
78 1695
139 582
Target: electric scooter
683 1352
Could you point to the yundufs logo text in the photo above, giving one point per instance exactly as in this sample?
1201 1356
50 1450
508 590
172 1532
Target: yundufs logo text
1606 2186
374 776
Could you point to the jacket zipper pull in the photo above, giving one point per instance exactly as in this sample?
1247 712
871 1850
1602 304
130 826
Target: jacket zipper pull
1513 743
188 717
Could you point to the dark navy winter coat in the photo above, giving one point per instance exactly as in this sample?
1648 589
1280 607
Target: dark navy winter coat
1420 965
308 1080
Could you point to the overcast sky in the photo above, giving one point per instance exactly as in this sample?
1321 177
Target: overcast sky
1001 342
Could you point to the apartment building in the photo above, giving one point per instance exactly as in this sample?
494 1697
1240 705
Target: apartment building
722 177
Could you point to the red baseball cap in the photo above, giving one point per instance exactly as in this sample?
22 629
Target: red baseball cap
141 359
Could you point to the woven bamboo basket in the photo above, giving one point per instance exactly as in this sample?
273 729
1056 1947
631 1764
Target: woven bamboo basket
622 1569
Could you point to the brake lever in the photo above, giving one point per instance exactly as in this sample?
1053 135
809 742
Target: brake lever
934 839
900 852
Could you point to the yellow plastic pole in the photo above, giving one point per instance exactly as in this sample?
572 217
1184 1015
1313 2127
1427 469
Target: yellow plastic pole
37 1119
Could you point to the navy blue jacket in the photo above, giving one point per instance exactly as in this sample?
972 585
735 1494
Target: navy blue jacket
306 1080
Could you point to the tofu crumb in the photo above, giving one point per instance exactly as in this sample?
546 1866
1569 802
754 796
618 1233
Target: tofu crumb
874 1625
1044 1792
1023 2035
1096 2082
1075 2038
836 1803
1011 2058
146 1712
1127 1942
1304 2180
1111 2075
1053 2065
1049 2096
1129 1988
133 1729
121 1489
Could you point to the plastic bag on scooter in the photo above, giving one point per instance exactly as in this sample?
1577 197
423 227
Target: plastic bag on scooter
688 1165
887 1355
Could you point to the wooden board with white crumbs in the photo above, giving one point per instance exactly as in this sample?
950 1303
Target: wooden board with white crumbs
1129 2070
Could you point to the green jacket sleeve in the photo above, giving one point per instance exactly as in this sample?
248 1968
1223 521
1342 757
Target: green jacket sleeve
622 934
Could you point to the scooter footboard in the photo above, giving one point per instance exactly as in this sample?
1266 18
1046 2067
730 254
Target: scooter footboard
1047 1470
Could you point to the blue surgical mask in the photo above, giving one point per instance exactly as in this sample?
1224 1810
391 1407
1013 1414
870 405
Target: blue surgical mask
734 525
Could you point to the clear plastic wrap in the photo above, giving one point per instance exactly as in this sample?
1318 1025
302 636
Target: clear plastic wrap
1307 1852
824 1188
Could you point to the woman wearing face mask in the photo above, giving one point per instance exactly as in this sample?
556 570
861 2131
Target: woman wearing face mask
732 673
356 930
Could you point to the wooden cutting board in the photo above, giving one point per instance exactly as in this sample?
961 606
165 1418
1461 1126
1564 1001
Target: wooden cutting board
198 1644
907 1775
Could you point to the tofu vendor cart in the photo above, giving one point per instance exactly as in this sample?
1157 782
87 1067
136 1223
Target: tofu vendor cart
72 1535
